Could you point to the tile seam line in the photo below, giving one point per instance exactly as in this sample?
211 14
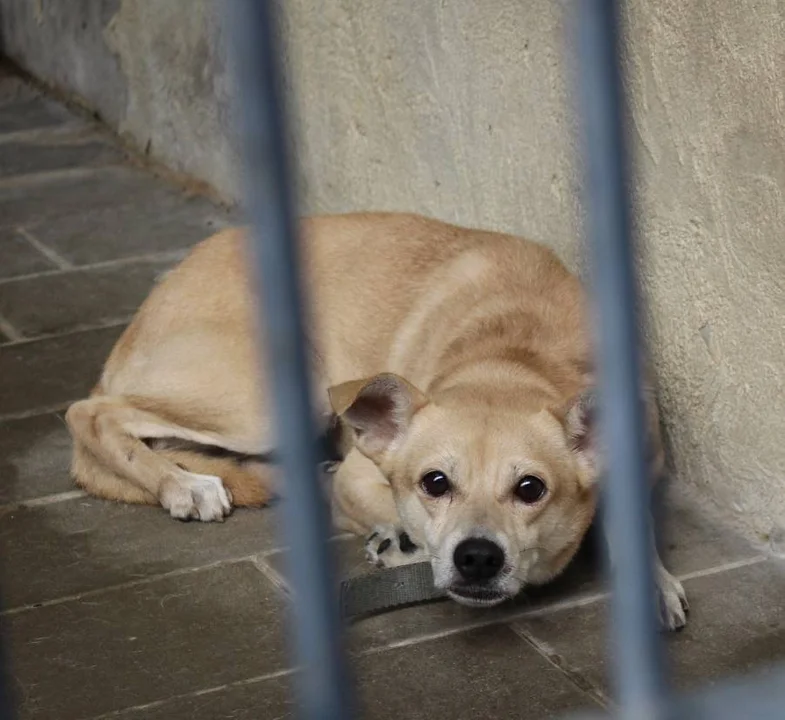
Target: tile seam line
8 329
271 575
193 694
18 610
587 689
257 560
36 412
41 500
109 324
163 256
52 255
44 176
69 133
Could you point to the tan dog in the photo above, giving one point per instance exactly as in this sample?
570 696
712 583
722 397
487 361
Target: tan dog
458 361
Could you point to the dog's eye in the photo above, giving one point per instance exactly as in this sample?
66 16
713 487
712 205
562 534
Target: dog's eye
435 484
530 489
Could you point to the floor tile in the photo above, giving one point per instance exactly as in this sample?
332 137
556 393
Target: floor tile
146 643
486 674
35 454
107 213
32 112
84 297
19 257
162 222
736 626
44 373
24 157
61 549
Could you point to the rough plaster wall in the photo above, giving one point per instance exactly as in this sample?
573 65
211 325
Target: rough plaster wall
155 70
60 42
172 54
456 109
460 110
709 93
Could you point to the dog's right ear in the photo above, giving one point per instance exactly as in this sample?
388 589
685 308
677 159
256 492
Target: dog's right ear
580 422
378 409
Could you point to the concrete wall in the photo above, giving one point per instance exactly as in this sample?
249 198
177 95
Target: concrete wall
460 110
153 69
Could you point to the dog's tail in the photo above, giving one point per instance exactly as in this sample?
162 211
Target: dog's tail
125 453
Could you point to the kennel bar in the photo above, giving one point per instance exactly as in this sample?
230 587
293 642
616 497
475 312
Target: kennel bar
320 685
636 648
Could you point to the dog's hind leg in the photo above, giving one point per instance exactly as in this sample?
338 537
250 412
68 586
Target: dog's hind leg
95 477
111 460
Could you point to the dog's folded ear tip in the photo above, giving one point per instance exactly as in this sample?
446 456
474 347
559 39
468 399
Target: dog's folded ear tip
344 395
378 408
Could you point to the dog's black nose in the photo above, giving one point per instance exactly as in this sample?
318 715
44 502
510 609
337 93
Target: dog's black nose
478 559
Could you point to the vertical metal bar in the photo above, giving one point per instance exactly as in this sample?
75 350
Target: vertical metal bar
636 644
321 685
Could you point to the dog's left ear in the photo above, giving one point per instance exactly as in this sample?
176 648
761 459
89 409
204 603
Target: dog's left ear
580 423
378 409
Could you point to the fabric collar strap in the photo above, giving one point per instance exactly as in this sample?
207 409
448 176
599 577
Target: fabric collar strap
377 592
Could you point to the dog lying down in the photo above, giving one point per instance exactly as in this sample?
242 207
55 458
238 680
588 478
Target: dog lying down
459 365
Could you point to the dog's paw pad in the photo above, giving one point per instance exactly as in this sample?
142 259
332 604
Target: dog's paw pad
389 547
384 546
406 545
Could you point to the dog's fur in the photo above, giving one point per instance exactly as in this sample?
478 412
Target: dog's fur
440 349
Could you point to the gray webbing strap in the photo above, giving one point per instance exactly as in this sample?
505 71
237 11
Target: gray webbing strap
376 592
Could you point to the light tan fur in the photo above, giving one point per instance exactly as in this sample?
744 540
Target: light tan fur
441 348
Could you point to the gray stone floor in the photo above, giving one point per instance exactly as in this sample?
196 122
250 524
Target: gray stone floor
116 611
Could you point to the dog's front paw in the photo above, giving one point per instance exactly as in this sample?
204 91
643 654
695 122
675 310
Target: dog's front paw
388 546
191 496
673 605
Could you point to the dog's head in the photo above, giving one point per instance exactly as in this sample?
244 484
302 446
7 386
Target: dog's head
499 485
